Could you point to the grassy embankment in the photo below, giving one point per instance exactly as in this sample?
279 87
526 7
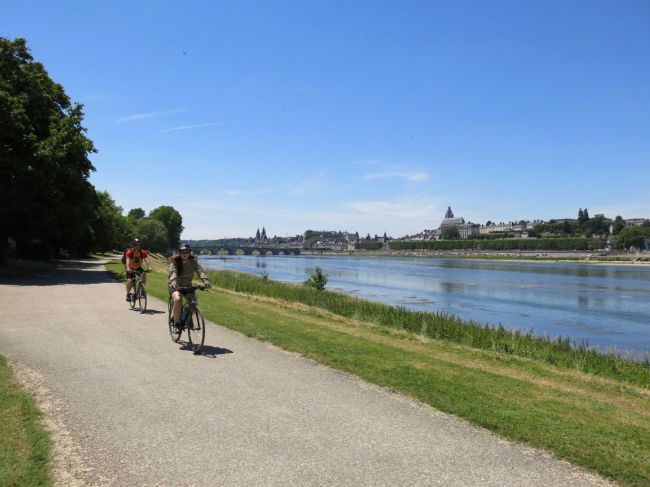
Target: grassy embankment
24 443
598 420
25 448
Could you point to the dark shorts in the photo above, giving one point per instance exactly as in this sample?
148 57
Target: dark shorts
130 273
183 293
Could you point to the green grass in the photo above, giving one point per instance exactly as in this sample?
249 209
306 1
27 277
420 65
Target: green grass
25 447
599 423
560 352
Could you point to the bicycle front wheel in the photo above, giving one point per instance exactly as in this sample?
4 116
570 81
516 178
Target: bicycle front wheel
142 298
132 296
196 329
174 332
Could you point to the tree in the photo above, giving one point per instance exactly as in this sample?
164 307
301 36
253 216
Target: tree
450 233
581 216
632 236
598 225
619 224
46 195
112 230
173 222
136 214
317 280
153 234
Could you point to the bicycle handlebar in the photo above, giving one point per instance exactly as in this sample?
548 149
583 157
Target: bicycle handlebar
191 288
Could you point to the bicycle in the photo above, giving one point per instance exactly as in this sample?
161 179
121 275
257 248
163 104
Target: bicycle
139 292
191 318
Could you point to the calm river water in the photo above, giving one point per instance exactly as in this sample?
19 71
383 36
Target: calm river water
606 305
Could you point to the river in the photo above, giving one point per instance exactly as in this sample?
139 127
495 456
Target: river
608 306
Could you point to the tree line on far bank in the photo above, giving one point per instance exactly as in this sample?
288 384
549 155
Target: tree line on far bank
48 202
583 234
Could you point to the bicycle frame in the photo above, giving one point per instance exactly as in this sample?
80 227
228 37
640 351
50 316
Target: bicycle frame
138 291
189 308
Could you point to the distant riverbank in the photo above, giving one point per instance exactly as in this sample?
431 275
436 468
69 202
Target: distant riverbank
614 258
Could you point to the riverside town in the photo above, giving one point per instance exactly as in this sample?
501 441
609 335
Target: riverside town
599 235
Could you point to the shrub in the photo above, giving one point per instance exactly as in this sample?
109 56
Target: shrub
317 280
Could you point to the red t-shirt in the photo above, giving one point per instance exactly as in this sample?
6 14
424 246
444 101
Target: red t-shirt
136 258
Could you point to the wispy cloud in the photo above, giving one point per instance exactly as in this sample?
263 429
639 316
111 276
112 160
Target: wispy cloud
309 185
143 116
401 209
246 192
415 176
188 127
387 170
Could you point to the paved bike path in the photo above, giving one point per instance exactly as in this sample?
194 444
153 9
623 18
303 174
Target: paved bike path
139 410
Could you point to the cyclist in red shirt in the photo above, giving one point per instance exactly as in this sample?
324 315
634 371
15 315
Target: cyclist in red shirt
134 259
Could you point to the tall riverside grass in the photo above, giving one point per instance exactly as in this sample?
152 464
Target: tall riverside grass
442 326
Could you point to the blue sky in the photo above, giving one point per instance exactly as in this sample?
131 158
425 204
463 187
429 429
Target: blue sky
356 115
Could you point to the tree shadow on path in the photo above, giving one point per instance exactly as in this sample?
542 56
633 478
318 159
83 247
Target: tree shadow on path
78 271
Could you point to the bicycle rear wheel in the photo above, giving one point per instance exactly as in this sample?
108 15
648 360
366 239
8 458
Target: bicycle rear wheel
196 329
142 298
173 331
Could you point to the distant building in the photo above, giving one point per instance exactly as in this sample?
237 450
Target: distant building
451 221
261 238
465 229
517 229
636 221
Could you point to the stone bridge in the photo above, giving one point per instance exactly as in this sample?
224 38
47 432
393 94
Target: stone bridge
261 250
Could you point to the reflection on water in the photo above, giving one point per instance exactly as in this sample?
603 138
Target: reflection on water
606 305
452 287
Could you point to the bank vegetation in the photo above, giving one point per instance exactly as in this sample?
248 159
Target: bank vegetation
588 408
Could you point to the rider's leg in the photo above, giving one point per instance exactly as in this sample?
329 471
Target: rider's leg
176 309
129 285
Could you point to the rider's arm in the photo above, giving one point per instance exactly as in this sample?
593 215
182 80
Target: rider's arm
173 276
199 270
128 261
146 261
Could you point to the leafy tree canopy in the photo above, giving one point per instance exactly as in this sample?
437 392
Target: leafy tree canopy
152 234
619 224
450 233
173 222
112 229
632 236
136 214
45 167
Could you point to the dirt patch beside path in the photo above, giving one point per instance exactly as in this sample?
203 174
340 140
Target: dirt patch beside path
68 469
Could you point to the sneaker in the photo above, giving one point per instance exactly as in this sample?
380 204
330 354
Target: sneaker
128 298
179 326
